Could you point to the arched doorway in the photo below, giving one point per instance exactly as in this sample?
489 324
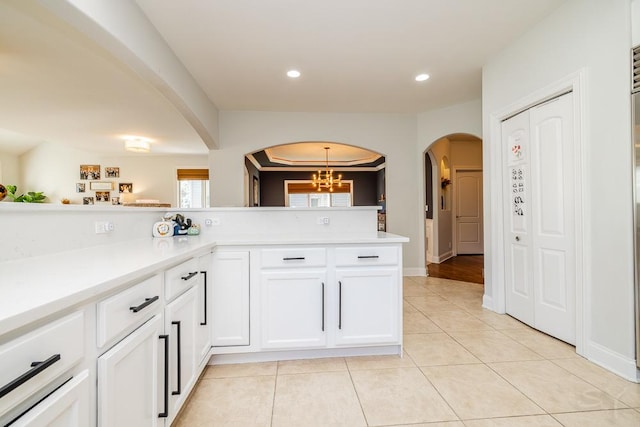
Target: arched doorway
454 206
277 174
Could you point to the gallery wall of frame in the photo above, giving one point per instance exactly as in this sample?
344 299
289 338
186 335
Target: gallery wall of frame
102 185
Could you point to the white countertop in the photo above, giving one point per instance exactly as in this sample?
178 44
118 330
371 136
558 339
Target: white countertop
37 287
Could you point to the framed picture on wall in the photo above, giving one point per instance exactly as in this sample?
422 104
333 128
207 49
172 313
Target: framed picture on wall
89 171
111 172
103 196
80 187
256 191
87 200
126 187
101 185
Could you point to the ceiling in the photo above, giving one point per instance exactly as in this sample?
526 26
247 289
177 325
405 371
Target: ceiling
58 86
310 155
355 56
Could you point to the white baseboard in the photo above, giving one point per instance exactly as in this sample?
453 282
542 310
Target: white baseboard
441 258
487 302
612 361
415 271
272 356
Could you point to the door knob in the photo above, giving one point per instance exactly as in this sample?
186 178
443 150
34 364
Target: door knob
517 238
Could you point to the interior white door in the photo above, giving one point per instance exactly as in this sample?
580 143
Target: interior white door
553 206
518 275
540 233
468 189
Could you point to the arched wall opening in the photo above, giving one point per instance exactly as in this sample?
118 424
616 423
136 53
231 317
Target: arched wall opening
446 201
269 170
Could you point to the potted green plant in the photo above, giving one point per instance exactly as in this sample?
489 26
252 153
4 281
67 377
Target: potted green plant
29 197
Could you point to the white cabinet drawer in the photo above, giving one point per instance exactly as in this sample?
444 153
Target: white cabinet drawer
56 348
294 257
128 309
366 255
180 278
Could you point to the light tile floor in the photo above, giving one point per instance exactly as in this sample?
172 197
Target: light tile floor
462 366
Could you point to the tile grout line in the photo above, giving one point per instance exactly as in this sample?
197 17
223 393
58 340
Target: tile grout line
355 389
275 388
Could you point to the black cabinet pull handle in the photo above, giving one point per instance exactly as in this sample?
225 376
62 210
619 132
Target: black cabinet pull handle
189 276
147 302
293 258
165 413
339 305
322 306
36 368
368 256
204 273
178 345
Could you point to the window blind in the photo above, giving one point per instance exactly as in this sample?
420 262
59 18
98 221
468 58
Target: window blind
193 174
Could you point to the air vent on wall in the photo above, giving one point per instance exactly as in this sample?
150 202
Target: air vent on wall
635 83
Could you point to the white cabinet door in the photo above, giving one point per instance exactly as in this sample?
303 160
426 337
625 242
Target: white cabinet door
66 407
368 301
203 327
229 298
129 379
293 309
181 321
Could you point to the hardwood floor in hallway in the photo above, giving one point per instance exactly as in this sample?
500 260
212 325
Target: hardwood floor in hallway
466 268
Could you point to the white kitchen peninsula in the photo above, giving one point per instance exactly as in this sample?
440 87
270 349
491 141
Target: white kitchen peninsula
141 316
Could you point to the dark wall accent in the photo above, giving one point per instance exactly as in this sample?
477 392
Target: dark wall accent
253 172
428 175
381 192
365 186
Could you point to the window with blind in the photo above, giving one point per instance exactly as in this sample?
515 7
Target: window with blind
302 194
193 188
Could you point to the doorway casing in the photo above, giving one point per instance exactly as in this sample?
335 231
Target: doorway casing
494 217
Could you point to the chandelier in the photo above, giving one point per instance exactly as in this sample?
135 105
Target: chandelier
325 179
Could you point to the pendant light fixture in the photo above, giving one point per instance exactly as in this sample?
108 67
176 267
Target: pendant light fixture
325 180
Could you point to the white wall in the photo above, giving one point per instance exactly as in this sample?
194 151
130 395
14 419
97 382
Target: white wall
392 135
154 177
9 169
594 36
54 169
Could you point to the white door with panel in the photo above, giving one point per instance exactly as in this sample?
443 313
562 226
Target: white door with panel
293 308
203 329
181 324
230 298
367 306
540 185
468 190
129 379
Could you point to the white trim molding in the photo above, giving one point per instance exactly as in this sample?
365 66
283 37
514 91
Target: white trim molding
613 361
415 271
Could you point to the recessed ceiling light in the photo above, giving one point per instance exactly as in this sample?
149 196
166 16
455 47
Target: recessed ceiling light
294 74
137 144
422 77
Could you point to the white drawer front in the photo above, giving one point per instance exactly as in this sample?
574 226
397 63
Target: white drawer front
366 255
128 309
59 344
294 257
180 278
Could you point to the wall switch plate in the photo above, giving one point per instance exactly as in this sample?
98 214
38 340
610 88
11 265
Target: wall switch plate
323 220
103 227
